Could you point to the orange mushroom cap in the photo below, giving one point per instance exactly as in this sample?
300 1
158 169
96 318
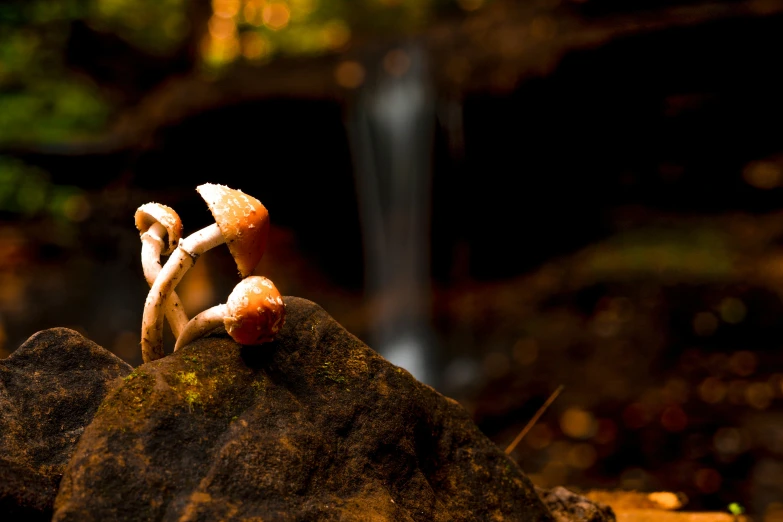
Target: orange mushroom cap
243 221
150 213
256 311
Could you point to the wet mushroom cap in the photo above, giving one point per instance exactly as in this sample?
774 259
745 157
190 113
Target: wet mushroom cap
256 311
151 213
243 221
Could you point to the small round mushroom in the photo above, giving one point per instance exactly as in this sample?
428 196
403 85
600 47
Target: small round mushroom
241 221
160 229
252 315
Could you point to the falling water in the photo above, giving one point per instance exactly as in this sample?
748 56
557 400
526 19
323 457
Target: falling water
391 132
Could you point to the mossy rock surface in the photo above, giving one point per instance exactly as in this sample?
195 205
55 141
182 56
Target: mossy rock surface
314 426
50 388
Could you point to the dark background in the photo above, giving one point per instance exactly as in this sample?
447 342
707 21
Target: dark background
598 204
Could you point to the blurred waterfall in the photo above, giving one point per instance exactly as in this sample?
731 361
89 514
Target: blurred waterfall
391 125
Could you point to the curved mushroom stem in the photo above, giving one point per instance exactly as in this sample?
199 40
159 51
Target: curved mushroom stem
180 261
252 315
151 246
202 324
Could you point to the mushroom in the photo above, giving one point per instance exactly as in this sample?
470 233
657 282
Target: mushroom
241 221
160 229
252 315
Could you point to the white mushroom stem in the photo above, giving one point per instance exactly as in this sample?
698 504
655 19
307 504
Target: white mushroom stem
151 246
180 261
202 324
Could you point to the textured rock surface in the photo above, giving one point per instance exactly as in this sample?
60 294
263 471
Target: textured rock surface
50 388
567 506
314 426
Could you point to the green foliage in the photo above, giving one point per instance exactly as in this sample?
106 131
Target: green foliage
28 191
155 26
699 252
42 100
259 30
49 112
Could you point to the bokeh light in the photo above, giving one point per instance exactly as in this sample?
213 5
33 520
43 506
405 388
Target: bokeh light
707 480
349 74
578 423
763 175
732 310
674 419
276 15
539 437
712 390
636 415
705 324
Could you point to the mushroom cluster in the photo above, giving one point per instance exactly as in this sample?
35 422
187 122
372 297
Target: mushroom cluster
254 312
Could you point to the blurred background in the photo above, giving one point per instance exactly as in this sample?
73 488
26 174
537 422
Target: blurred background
501 196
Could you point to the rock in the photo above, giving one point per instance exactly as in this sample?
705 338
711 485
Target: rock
50 388
567 506
313 426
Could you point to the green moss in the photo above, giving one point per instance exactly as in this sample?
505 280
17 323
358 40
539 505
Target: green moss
258 386
196 386
328 371
188 387
191 398
193 360
187 378
133 394
135 374
139 388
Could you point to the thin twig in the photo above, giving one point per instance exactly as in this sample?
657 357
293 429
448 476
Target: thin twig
535 418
